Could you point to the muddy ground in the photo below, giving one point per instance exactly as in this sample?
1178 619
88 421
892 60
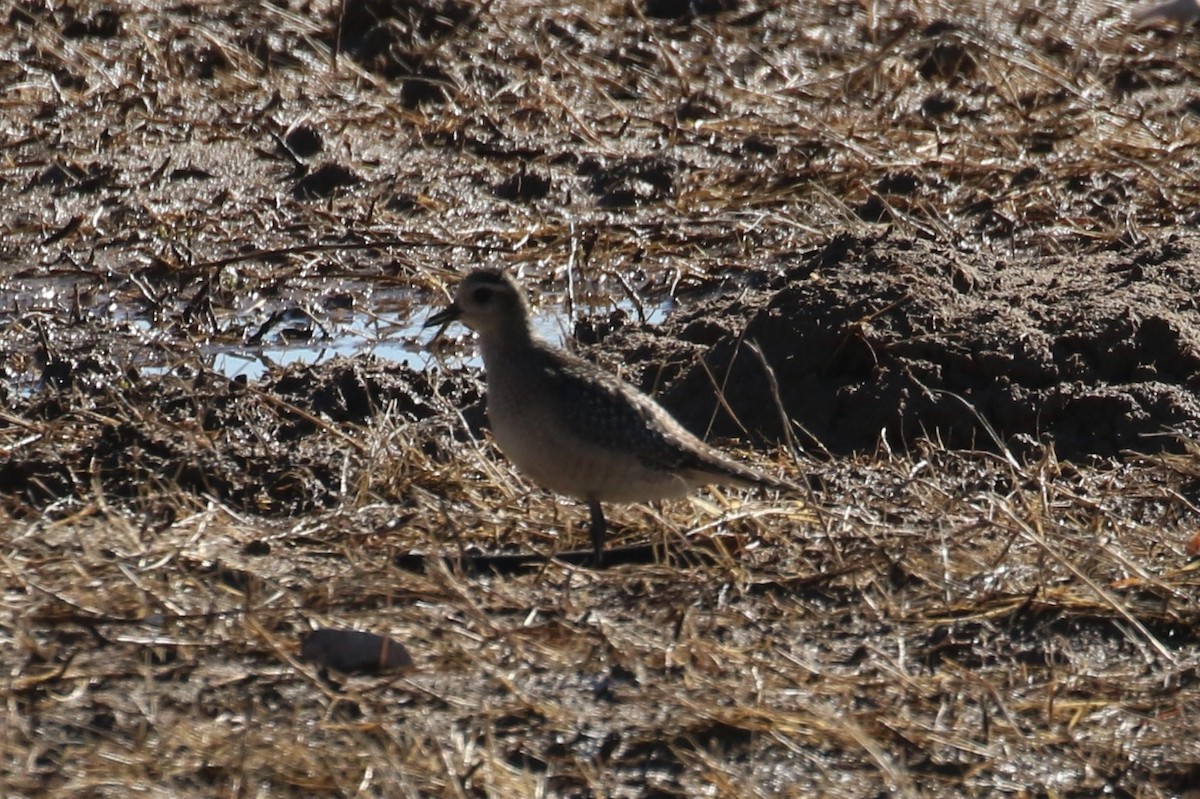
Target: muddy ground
939 259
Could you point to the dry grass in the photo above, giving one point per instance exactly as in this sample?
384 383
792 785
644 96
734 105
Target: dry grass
935 623
946 625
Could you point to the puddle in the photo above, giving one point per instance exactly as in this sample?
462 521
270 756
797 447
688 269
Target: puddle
254 336
401 338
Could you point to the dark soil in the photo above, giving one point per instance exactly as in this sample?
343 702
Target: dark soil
943 261
879 341
264 449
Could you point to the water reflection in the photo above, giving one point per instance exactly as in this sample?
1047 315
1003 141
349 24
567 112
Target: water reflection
400 337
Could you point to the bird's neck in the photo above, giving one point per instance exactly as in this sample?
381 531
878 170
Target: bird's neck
502 345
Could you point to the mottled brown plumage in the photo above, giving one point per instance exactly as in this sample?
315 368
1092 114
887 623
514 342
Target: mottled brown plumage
573 427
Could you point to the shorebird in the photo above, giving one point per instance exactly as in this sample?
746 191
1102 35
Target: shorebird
574 428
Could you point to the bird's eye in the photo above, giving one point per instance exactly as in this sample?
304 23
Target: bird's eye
482 295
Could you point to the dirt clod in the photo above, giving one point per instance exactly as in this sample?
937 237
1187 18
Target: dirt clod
903 342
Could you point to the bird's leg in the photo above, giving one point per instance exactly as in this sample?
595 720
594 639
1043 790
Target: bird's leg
598 530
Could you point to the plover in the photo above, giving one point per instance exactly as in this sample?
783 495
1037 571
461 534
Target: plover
574 428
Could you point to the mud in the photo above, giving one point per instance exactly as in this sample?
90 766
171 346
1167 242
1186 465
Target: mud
873 341
946 250
265 449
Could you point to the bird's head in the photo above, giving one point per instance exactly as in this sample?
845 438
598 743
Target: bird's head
486 301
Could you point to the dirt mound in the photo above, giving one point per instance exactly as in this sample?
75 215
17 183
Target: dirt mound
894 339
280 449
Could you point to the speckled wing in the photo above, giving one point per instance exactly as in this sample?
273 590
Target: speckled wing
609 413
612 414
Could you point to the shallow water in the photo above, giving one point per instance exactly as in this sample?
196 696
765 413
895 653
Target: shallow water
255 335
398 336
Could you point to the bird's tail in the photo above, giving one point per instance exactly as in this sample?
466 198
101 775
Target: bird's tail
733 472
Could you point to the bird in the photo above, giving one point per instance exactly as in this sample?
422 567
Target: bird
573 427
